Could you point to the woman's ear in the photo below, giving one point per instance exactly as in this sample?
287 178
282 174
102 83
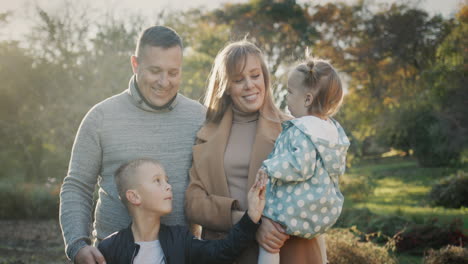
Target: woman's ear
133 197
309 98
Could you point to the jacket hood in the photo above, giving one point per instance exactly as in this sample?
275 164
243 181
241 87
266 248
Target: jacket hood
332 154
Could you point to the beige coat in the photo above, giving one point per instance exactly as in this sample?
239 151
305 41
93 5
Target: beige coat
208 202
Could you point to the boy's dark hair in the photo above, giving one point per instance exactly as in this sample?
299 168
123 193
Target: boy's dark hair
125 176
157 36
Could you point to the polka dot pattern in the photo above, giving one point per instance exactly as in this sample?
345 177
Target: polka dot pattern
305 197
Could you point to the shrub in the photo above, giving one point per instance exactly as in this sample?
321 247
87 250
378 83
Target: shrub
355 217
42 204
12 205
451 191
449 254
419 237
378 228
436 140
406 235
386 226
344 247
35 201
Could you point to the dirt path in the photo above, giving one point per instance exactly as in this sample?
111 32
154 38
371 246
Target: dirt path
31 241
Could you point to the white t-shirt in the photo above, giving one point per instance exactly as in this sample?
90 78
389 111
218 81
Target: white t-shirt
150 253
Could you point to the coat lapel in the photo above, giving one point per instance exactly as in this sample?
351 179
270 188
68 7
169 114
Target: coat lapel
267 132
213 139
212 143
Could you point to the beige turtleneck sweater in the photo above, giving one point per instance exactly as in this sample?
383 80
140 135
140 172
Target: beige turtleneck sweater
237 154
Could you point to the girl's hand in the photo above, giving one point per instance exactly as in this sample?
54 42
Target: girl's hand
256 197
271 236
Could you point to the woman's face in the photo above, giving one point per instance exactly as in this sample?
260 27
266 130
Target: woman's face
247 89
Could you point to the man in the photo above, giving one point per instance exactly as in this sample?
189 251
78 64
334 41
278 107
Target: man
150 119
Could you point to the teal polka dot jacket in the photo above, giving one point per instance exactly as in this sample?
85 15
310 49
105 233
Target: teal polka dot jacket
303 193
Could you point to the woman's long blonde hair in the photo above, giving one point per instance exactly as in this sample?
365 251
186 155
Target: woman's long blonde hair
230 61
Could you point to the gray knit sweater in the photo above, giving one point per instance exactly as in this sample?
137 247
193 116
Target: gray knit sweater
119 129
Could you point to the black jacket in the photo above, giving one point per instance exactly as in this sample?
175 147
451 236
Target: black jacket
181 247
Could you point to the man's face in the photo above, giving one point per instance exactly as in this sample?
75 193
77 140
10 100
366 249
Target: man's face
158 73
154 190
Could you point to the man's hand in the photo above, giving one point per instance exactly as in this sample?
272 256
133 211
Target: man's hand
89 255
271 236
256 197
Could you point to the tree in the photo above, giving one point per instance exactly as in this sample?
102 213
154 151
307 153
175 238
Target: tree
282 30
21 104
386 55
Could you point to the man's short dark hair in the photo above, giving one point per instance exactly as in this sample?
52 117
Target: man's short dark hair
158 36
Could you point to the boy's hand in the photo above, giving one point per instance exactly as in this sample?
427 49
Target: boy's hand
256 196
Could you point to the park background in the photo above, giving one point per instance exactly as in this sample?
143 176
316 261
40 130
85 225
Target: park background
405 109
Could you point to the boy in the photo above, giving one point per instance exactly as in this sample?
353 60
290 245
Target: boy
143 187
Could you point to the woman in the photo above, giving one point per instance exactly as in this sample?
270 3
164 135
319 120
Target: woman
242 124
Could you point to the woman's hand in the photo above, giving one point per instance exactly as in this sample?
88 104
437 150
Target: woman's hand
256 197
271 236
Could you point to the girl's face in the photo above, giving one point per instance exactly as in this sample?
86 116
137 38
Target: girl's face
298 99
247 89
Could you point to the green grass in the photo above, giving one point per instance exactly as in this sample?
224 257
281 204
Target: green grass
398 186
401 187
409 259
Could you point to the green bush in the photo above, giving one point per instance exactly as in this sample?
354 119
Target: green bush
377 228
419 237
386 226
355 217
12 205
42 204
34 201
344 247
451 192
436 140
449 254
405 234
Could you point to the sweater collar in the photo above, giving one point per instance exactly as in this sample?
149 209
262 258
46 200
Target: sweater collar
140 101
243 117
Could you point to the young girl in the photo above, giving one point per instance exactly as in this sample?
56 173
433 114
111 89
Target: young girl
308 157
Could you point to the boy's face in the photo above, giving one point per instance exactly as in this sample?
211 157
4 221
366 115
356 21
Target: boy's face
155 193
